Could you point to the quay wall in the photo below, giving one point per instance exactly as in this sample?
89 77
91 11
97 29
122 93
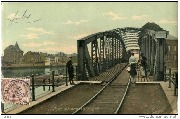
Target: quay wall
33 65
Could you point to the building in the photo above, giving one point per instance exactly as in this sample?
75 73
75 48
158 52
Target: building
172 54
13 54
43 56
60 57
33 57
74 57
49 60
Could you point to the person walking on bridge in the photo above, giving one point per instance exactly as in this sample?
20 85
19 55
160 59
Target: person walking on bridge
144 65
132 72
70 68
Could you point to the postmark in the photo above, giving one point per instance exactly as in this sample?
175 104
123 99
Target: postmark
16 91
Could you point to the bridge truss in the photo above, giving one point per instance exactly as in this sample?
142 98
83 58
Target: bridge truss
153 45
100 51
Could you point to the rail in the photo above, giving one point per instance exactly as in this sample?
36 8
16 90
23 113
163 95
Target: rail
120 104
100 91
173 79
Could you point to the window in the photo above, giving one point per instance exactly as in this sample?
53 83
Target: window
175 48
169 48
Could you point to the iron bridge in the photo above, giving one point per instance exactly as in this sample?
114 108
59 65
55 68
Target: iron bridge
103 50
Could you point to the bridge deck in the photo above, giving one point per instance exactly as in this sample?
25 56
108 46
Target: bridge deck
102 77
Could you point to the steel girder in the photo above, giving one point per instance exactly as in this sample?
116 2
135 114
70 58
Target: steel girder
81 73
160 59
94 56
154 49
106 51
102 54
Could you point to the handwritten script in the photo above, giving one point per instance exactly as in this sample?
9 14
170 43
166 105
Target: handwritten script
18 18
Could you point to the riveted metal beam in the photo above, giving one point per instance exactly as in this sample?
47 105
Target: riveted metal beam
101 56
81 74
94 52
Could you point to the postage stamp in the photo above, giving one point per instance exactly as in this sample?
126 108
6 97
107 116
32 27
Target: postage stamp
16 91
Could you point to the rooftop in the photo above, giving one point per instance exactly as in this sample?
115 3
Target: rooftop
170 37
13 47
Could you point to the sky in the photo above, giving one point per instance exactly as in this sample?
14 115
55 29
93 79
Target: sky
56 26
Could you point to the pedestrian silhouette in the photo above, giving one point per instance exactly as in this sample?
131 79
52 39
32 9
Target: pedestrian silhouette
144 65
70 69
132 72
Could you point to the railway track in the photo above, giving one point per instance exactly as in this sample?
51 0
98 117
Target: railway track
103 98
107 75
109 99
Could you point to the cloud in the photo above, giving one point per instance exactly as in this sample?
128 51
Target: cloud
34 33
164 21
115 16
31 36
79 36
70 49
82 35
50 49
48 43
39 30
141 17
36 44
75 22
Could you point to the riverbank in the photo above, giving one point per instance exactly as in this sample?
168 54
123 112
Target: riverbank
19 66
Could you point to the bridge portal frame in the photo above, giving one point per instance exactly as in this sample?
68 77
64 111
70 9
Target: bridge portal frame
104 54
111 51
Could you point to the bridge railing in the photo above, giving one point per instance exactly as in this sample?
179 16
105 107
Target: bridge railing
38 84
172 78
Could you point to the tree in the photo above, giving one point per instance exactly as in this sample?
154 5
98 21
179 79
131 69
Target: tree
152 26
148 26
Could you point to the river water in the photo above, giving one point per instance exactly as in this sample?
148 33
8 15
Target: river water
24 72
